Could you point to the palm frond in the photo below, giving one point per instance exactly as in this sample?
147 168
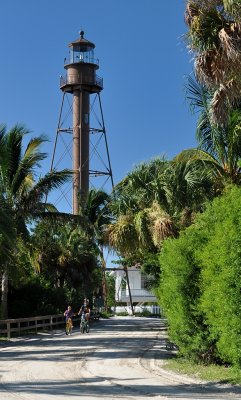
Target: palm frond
2 138
233 147
198 95
194 155
45 185
34 145
141 223
210 67
200 98
203 158
122 235
215 37
7 224
233 7
224 99
161 224
95 206
140 187
28 163
49 213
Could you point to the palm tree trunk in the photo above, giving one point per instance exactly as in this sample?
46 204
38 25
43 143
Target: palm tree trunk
104 289
4 297
104 284
129 290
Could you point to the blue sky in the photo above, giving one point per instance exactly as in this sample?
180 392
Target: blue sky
143 61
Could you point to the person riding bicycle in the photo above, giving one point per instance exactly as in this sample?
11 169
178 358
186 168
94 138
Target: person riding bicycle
85 311
69 315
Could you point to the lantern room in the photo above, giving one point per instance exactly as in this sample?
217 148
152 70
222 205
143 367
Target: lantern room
82 50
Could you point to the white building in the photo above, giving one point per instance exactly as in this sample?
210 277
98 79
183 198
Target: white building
138 283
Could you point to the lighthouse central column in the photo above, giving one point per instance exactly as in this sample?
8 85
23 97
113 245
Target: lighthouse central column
76 150
80 147
84 143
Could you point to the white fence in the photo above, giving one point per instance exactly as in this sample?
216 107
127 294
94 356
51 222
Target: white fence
154 310
138 295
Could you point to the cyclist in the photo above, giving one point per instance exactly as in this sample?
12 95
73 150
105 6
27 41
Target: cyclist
69 316
85 316
85 311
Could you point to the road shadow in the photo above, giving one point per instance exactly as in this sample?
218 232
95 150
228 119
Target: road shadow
97 387
116 338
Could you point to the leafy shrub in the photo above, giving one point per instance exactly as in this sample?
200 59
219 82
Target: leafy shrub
179 293
105 315
200 285
144 313
221 276
122 314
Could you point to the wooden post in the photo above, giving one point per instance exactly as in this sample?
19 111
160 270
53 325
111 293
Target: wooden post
9 329
129 289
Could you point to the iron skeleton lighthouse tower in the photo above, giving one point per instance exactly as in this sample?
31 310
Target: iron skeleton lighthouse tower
81 81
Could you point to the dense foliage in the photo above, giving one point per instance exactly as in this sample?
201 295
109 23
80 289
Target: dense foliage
201 280
22 196
57 262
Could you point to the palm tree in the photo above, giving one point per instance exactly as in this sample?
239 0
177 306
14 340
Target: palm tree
189 186
219 146
140 210
214 37
22 196
96 209
153 202
142 186
67 254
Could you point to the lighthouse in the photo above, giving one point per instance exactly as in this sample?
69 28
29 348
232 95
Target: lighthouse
81 81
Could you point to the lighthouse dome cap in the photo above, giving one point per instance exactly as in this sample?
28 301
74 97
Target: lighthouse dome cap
81 41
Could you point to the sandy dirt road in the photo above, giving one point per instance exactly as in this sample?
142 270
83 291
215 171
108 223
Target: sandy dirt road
119 359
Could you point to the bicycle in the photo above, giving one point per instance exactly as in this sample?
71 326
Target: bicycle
84 324
69 326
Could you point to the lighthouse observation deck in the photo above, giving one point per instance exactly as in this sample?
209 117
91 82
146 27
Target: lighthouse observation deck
69 80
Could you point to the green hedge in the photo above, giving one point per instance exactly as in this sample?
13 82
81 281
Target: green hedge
179 294
200 285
